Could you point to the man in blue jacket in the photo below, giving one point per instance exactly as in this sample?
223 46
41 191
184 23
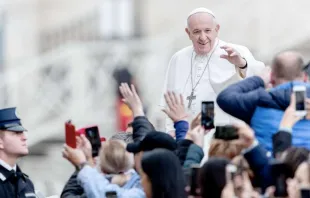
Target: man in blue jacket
249 100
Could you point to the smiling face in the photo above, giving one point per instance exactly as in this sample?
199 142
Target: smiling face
202 31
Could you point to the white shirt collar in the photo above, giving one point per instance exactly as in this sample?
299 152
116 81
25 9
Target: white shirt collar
7 166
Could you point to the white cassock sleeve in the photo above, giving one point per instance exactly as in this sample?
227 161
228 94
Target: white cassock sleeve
254 66
169 85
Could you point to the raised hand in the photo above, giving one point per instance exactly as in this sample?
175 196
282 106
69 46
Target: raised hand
233 56
246 135
176 110
290 118
132 99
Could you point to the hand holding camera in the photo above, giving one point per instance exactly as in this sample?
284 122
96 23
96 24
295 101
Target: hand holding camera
291 117
84 144
240 133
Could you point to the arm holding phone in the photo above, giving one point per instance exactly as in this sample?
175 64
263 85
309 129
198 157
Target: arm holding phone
255 155
84 144
195 152
282 140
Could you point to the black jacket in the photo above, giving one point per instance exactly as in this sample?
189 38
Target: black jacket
72 188
281 141
194 156
141 126
182 148
15 184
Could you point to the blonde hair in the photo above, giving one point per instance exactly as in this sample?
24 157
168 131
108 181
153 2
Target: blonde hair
227 149
114 158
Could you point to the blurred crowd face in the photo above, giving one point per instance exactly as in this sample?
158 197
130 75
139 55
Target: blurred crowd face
202 31
13 144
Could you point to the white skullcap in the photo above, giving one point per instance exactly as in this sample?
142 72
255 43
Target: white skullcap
201 10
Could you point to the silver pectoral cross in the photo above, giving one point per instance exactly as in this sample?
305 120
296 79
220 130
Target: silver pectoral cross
190 99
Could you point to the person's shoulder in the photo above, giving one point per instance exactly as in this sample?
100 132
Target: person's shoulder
184 51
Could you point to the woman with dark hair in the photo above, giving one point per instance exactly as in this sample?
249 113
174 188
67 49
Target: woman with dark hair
162 175
294 156
213 177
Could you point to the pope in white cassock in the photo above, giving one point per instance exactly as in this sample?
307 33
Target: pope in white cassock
200 71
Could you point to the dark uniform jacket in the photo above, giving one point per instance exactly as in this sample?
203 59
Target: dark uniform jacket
15 184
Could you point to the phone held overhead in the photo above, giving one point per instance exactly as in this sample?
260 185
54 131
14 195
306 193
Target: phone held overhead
300 100
207 114
91 133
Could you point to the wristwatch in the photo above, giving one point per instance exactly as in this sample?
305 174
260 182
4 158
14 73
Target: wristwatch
246 65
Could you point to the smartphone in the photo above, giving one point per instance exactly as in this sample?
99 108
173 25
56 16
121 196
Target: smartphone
207 114
300 95
280 172
92 134
194 175
70 134
111 194
227 132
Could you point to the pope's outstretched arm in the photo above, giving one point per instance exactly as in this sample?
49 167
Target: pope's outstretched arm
253 66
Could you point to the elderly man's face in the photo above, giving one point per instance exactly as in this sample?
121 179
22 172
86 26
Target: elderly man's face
202 31
14 143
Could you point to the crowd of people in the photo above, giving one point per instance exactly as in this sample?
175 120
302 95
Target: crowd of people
148 163
268 156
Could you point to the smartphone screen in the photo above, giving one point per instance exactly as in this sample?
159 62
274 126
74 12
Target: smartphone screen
194 179
70 134
300 100
227 133
207 115
93 136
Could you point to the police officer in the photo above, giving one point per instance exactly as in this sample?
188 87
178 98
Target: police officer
13 145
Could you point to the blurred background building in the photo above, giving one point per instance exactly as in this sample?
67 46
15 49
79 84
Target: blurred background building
58 57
